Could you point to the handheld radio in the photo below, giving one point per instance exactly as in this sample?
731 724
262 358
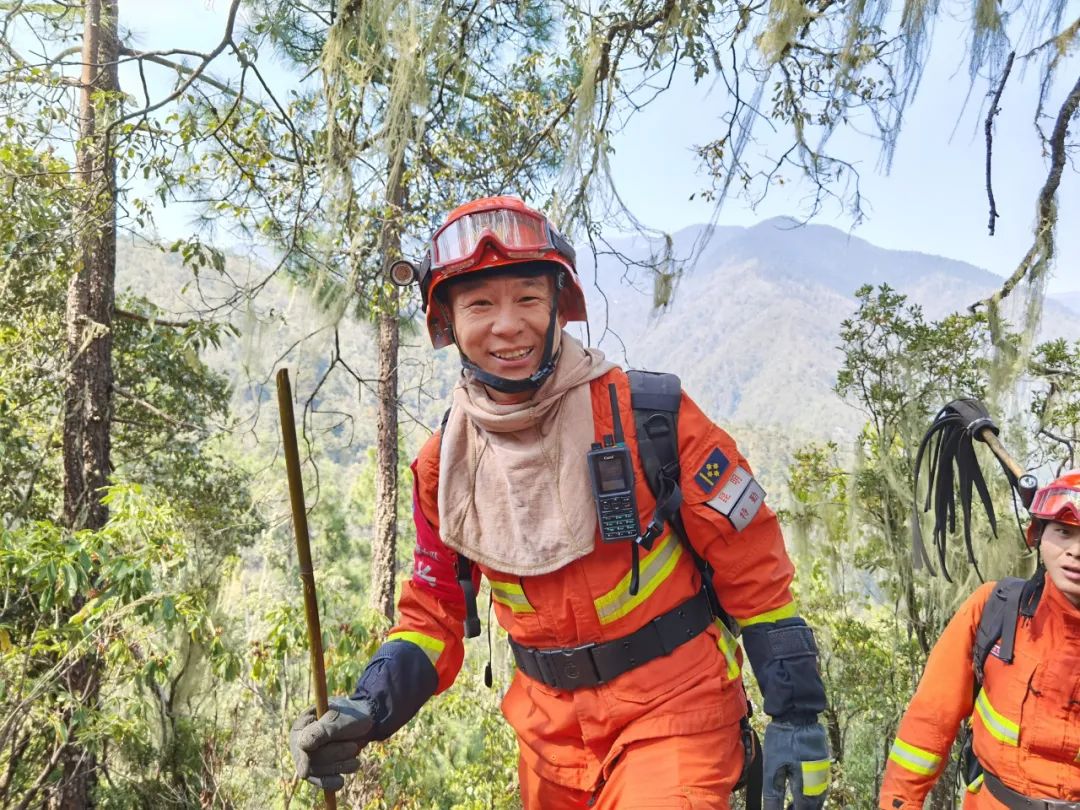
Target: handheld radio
611 471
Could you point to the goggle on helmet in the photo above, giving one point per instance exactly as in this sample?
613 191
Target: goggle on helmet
1058 501
491 233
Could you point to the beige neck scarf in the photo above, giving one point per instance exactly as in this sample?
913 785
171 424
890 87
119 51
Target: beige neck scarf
514 490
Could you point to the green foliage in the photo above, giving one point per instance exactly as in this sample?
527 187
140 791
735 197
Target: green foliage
877 615
459 753
131 598
896 364
1055 404
867 657
900 370
136 602
185 607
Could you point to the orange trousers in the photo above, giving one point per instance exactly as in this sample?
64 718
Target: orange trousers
696 771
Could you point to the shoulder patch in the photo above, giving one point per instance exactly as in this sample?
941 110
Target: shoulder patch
712 470
739 499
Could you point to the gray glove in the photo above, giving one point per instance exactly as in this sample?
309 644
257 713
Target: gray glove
324 748
799 753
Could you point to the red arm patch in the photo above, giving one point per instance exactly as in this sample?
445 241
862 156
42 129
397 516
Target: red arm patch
434 564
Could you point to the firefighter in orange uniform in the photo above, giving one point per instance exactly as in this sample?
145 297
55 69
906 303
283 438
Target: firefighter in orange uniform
628 691
1024 744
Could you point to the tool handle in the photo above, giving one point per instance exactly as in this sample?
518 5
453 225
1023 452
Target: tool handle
303 549
995 445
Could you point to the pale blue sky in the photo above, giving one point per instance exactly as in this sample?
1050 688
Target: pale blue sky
933 201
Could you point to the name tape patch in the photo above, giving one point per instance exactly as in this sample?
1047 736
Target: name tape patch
730 492
739 499
747 506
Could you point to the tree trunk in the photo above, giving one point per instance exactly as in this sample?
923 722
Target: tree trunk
384 544
88 382
384 547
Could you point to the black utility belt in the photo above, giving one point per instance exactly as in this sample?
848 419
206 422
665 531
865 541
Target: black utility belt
596 663
1018 801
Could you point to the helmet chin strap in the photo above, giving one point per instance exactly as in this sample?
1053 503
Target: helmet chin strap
534 380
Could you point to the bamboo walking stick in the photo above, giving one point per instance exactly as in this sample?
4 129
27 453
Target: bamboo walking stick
303 549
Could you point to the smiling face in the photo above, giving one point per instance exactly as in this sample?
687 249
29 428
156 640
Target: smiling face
1061 555
500 323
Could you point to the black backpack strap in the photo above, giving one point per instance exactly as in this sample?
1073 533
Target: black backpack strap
1011 598
1001 611
465 580
1032 593
655 398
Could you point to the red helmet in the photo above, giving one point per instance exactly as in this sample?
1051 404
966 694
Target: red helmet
1058 501
489 233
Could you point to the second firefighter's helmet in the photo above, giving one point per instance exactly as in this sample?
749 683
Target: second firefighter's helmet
1058 501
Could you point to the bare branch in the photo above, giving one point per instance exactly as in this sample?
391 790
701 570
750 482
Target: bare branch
134 316
1061 440
1037 259
994 110
172 420
179 67
226 41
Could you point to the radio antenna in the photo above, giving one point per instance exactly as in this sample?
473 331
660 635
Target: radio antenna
616 420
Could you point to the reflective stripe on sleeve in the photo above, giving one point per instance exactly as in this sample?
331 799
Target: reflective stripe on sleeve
1001 728
510 594
974 786
432 647
815 777
653 570
728 645
914 759
785 612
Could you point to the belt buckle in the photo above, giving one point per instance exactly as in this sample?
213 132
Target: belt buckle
573 667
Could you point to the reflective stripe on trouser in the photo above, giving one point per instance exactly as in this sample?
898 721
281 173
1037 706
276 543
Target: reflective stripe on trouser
432 647
815 777
914 759
691 771
728 645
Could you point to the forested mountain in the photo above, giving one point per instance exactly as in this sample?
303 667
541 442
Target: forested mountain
751 327
753 322
751 330
153 648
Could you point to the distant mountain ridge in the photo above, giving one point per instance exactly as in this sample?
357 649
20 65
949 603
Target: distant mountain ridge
753 324
752 329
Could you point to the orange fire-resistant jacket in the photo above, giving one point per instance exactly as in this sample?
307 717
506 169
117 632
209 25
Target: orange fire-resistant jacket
568 737
1025 720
